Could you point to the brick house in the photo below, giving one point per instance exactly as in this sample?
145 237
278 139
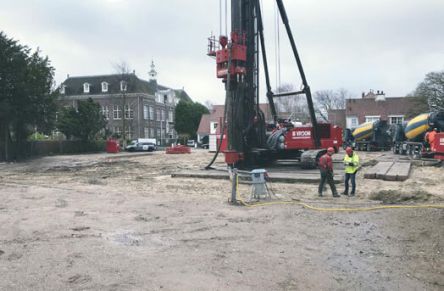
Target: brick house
370 107
145 107
209 123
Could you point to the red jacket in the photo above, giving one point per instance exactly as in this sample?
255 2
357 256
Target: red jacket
326 163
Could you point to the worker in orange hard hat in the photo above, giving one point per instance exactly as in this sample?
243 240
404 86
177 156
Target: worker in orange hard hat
326 168
351 163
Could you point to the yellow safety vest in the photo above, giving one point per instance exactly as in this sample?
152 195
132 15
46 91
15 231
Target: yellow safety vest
353 159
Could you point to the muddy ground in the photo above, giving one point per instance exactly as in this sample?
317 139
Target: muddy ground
106 222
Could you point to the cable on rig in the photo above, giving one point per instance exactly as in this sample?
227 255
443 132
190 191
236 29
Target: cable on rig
227 95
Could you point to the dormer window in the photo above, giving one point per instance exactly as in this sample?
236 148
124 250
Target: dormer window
123 86
62 89
85 87
104 87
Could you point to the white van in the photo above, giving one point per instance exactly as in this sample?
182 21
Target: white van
142 144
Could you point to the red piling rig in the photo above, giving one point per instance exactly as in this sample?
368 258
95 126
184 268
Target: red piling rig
238 56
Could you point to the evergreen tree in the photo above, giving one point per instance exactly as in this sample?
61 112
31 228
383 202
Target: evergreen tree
187 117
26 79
83 123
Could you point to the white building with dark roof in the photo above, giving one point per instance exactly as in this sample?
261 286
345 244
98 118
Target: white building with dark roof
144 109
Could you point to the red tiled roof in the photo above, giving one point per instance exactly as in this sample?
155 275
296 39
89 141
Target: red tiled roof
204 125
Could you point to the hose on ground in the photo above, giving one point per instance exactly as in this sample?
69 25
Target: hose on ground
328 209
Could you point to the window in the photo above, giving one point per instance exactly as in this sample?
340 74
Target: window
129 132
105 111
146 132
372 118
62 89
145 112
158 114
152 132
163 133
163 115
117 112
396 119
123 86
117 130
352 122
85 88
213 127
165 98
170 116
104 87
129 112
151 113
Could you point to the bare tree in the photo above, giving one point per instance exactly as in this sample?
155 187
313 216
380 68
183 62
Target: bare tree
429 94
209 104
293 106
328 99
123 74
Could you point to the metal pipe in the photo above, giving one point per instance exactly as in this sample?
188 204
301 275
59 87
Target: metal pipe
264 58
283 94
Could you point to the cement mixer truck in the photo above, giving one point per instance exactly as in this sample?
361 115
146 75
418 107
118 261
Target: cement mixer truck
408 138
369 136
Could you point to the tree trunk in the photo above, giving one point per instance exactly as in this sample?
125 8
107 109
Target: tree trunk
6 143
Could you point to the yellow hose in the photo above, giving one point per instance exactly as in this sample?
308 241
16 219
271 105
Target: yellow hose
305 205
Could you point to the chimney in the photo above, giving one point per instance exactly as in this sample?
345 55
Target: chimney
134 72
363 94
377 92
67 76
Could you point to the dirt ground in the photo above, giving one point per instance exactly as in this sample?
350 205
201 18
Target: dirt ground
106 222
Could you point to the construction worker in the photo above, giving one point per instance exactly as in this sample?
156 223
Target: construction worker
431 138
426 139
326 168
351 163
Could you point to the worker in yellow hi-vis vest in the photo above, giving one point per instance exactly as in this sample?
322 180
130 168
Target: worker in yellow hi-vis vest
351 163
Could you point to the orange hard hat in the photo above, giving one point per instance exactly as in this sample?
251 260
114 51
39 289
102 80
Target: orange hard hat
330 150
349 150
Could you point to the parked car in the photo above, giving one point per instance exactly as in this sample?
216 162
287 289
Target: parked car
191 143
141 145
205 145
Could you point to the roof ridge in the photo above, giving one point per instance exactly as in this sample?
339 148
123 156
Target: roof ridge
98 76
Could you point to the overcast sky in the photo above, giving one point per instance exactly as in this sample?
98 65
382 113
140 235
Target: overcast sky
358 45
